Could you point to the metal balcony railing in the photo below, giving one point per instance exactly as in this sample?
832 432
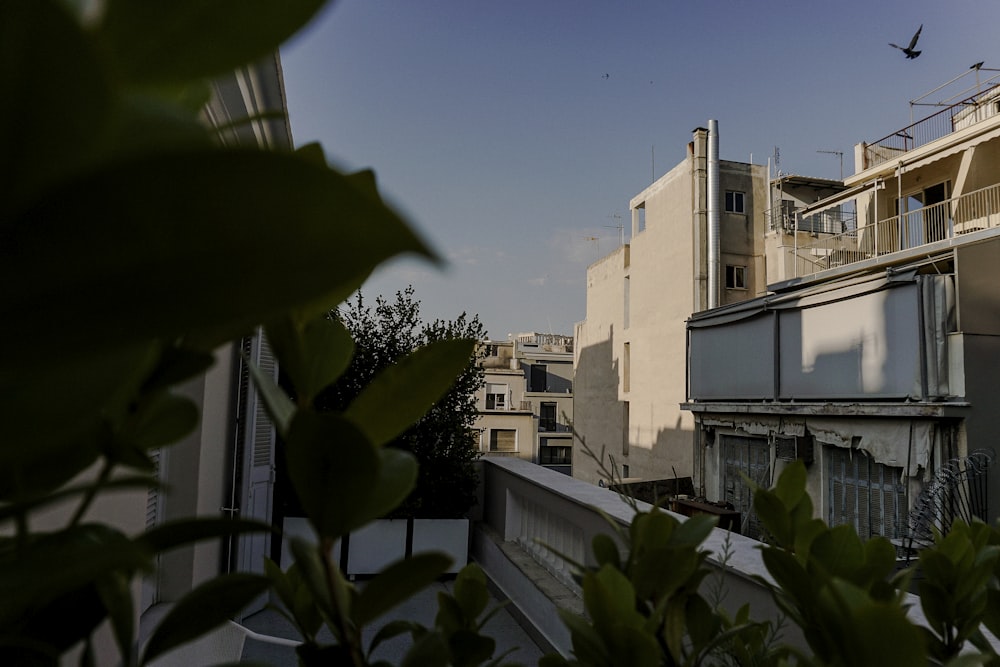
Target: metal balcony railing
948 219
958 116
830 221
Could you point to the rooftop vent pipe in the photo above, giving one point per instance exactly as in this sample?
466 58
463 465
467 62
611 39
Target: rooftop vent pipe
713 214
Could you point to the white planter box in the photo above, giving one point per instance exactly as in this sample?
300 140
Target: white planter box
375 546
450 536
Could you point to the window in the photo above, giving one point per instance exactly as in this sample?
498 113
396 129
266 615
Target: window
539 378
865 494
627 367
639 219
625 471
734 202
503 440
547 417
496 397
625 427
558 454
736 277
628 298
744 457
924 217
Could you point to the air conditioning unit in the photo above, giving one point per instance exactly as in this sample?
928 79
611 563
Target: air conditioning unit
794 447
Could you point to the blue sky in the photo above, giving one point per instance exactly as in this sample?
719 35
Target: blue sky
493 128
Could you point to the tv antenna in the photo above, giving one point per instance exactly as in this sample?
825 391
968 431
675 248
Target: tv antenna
597 242
620 227
839 154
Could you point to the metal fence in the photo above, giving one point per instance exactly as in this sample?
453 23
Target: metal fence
948 219
960 115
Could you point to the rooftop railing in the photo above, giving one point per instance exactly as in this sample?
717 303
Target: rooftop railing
952 218
960 115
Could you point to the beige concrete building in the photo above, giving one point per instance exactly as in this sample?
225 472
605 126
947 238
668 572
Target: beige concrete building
697 241
526 404
873 356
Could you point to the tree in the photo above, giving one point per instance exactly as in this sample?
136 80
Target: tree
442 440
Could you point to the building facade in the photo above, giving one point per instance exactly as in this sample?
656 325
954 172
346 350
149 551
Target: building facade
526 403
688 251
873 363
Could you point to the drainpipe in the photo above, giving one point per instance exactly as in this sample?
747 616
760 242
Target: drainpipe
713 214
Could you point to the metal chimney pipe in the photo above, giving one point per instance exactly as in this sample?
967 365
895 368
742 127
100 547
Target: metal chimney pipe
714 251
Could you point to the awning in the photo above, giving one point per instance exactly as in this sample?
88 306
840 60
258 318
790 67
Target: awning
953 150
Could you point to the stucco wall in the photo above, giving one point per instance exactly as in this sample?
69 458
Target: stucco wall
663 283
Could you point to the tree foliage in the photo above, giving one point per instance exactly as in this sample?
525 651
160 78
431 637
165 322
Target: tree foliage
442 439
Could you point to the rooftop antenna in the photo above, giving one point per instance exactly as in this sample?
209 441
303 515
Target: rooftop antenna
777 161
839 154
620 227
597 242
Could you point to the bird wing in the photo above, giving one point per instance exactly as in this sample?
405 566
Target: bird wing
916 36
895 46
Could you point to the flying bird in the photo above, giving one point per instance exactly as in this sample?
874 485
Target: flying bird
910 53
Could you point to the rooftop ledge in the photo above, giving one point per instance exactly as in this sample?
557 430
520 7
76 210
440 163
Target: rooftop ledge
524 504
826 408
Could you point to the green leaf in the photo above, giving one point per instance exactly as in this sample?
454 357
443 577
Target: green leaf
789 575
61 406
313 354
310 567
882 635
694 530
207 260
791 484
116 594
203 609
279 407
175 365
839 550
48 63
606 550
411 386
130 483
161 419
397 583
64 561
470 648
391 630
157 42
588 646
774 516
470 591
430 650
334 470
609 599
173 534
397 477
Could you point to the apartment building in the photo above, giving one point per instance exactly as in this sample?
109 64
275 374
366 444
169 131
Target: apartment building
526 404
697 242
872 357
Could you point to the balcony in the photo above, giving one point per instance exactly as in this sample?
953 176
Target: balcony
944 221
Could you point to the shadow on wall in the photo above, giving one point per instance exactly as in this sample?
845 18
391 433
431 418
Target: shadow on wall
611 426
553 383
598 413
